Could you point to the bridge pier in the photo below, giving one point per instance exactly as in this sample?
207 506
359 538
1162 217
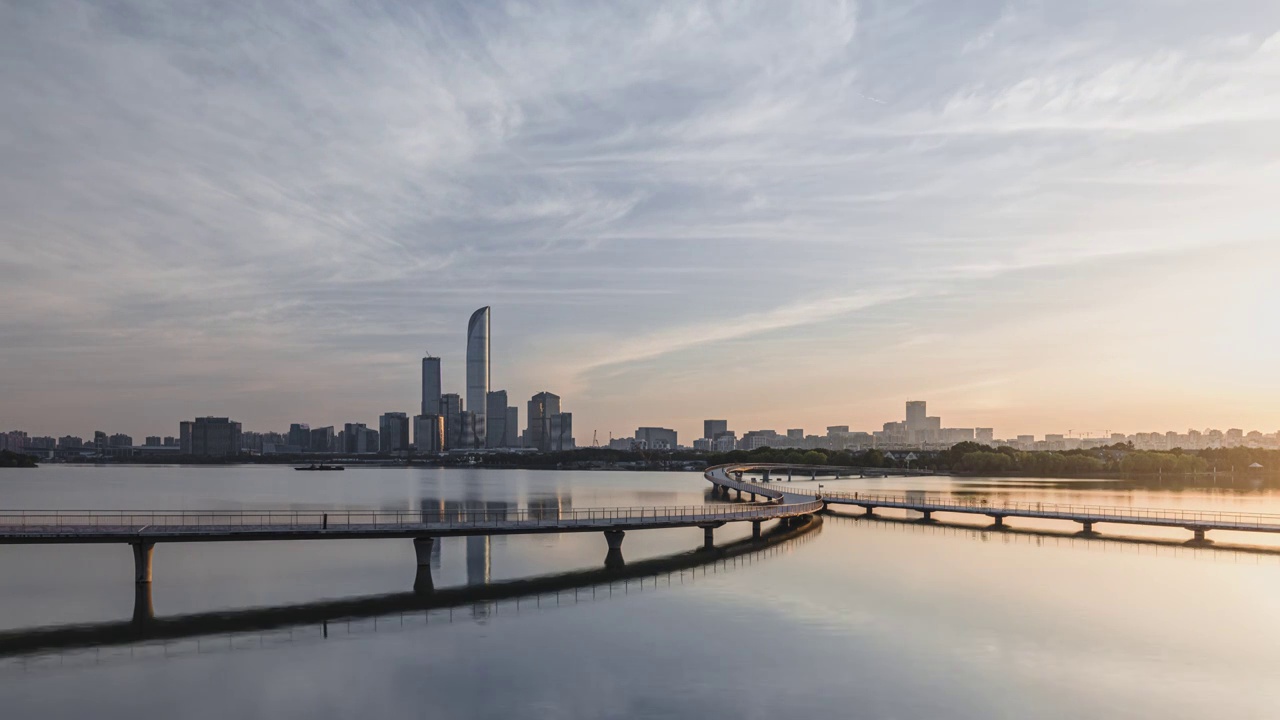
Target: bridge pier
997 520
422 548
143 610
755 529
422 582
708 537
1088 528
739 494
1199 535
614 538
927 516
868 510
753 497
142 551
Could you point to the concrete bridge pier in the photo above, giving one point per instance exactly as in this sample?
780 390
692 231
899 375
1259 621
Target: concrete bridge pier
143 610
614 538
422 549
422 582
739 494
708 537
997 520
1199 535
1088 528
868 510
755 529
753 497
142 551
927 516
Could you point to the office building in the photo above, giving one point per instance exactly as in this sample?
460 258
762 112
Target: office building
916 419
212 437
451 413
152 441
478 372
393 432
299 435
541 407
430 386
428 434
358 438
495 420
986 436
795 434
512 431
561 432
322 439
656 438
470 434
184 437
712 428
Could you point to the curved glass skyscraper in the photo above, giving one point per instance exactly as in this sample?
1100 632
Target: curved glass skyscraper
478 369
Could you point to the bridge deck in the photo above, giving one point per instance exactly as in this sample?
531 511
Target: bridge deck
97 526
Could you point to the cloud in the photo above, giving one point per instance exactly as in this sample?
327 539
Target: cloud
194 200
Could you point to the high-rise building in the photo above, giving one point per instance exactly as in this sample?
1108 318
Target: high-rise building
513 426
153 441
184 436
795 433
916 418
561 432
393 432
355 438
322 439
120 440
541 407
299 435
428 434
431 385
986 436
656 438
470 435
451 414
711 428
214 437
478 370
495 420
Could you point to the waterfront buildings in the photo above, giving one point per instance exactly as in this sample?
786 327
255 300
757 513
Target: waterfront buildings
299 436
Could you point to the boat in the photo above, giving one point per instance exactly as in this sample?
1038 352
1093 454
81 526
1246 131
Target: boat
317 468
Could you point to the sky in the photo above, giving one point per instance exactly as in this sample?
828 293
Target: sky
1037 216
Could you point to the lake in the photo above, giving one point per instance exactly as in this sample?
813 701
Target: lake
874 618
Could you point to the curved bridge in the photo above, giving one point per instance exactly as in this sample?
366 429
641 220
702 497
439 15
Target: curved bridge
143 529
1197 522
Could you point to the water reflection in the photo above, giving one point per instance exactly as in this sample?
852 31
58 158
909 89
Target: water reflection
422 605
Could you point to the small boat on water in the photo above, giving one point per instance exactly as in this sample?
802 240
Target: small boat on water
317 468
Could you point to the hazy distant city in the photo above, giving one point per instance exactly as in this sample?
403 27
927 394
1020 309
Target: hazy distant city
482 420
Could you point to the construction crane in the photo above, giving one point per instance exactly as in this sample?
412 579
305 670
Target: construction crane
595 440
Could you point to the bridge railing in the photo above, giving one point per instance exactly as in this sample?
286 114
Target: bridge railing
1043 509
364 519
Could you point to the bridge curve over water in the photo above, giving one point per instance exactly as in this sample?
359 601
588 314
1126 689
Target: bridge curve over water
1198 522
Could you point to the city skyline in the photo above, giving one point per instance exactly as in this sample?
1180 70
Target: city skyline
1045 220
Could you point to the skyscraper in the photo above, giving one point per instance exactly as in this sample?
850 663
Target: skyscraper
495 417
478 369
430 385
916 423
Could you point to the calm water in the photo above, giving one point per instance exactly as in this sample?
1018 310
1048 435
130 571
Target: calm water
858 618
